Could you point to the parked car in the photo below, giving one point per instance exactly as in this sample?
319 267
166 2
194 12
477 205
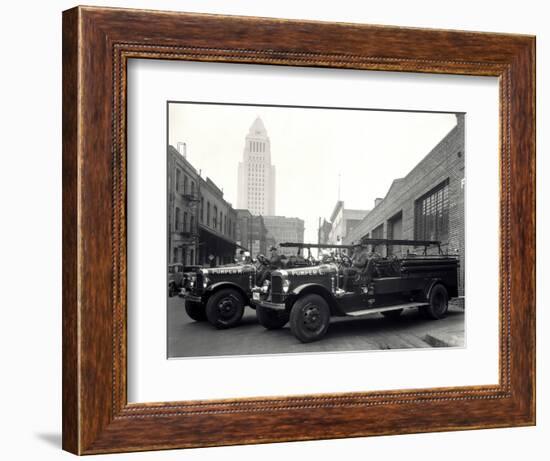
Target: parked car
221 294
308 297
175 278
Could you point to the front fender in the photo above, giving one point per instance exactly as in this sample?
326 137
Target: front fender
218 285
430 285
321 290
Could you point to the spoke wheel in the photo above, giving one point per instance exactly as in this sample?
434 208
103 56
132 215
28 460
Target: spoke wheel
225 308
439 303
310 318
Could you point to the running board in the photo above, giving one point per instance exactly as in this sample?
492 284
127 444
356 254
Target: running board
395 307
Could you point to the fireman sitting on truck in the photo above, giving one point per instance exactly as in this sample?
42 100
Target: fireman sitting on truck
362 268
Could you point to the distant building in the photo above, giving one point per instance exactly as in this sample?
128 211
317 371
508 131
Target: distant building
200 221
324 231
427 204
343 221
282 229
256 178
251 233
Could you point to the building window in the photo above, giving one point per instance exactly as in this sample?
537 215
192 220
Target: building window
378 232
185 221
431 214
193 188
215 225
178 217
185 184
178 179
192 224
208 213
221 221
202 209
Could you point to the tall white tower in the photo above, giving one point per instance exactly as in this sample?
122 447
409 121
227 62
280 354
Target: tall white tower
256 191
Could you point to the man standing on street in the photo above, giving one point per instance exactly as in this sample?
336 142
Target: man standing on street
212 260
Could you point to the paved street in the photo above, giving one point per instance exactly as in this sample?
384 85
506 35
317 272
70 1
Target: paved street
187 338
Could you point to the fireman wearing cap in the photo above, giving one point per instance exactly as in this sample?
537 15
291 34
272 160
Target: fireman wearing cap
275 259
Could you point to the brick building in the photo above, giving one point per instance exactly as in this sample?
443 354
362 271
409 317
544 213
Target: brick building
251 233
183 198
217 225
200 221
427 204
282 229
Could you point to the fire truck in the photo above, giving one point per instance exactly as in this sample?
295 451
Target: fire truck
354 281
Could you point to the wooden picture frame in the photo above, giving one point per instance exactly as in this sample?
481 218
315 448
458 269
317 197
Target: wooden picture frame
97 43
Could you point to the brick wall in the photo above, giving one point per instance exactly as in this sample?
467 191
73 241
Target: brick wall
445 162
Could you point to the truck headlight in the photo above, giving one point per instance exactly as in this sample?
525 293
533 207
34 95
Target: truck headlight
205 282
286 285
265 286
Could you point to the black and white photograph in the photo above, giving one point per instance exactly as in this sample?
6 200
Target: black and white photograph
299 229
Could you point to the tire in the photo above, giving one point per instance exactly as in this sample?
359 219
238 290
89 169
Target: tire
271 319
309 318
392 315
225 308
439 303
195 310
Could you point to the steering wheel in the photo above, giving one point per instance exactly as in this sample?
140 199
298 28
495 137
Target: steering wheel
262 260
346 260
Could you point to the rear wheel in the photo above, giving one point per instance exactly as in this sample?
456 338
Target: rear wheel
393 315
310 318
195 310
439 303
225 308
271 319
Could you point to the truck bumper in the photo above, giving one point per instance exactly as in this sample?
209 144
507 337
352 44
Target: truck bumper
270 305
189 297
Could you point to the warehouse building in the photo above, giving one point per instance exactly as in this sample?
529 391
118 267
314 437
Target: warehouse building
427 204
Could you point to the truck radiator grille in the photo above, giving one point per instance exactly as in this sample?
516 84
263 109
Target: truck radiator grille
276 284
198 283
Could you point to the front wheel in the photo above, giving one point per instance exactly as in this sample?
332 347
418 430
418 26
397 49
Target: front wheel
439 303
271 319
195 310
310 318
225 308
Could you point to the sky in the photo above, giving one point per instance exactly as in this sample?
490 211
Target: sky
317 153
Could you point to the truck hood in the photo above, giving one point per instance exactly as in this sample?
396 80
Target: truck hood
321 269
225 270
